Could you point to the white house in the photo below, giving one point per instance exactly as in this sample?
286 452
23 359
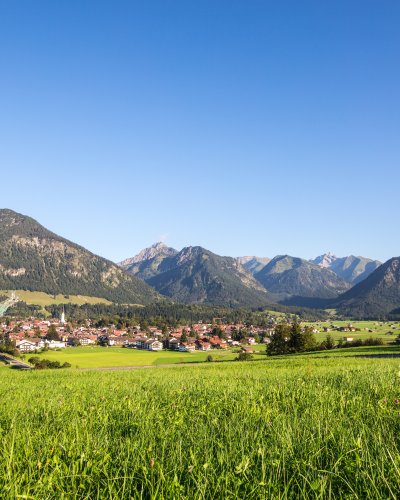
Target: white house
186 347
55 344
27 346
153 345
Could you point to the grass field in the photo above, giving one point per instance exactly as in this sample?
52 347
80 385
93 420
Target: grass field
118 357
43 299
106 357
379 330
281 428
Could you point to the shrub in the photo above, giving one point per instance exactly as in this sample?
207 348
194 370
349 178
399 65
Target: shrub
43 364
244 356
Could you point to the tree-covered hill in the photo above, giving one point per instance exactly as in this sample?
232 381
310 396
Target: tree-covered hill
196 275
294 277
378 296
33 258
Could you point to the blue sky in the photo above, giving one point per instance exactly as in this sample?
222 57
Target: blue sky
247 127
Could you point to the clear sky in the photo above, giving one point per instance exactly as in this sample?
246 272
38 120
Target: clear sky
247 127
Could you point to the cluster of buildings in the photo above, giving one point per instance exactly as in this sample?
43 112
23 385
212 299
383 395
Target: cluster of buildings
33 334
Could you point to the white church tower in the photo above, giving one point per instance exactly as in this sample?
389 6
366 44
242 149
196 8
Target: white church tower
62 320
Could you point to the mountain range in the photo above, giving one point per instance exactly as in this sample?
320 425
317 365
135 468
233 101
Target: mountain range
253 264
34 258
196 275
295 277
352 269
377 296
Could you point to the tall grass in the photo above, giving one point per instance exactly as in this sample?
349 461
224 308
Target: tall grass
297 428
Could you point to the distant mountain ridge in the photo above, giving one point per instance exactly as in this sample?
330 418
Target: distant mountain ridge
299 278
196 275
352 269
146 263
325 260
154 250
253 264
377 296
33 258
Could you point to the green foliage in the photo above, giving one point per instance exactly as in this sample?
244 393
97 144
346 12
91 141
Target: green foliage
52 333
244 356
45 364
184 336
7 345
289 339
159 314
328 343
371 341
278 344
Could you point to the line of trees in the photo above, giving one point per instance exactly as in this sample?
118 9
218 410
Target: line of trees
293 338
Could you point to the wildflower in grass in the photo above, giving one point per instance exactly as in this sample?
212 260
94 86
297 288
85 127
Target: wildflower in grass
396 401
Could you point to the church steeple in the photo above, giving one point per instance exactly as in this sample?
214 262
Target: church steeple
62 320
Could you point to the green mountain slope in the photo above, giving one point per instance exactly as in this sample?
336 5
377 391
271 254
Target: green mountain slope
196 275
33 258
295 277
376 296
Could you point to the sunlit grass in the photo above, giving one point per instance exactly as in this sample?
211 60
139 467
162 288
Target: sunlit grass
282 428
107 357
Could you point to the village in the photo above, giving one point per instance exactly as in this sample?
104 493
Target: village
34 334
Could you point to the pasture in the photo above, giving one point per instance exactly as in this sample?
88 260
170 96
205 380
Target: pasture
44 299
387 331
298 427
107 357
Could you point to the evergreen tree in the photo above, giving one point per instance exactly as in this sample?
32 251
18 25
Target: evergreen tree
279 344
184 336
52 333
296 342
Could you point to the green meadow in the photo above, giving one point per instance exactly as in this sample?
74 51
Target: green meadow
43 299
107 357
292 427
387 331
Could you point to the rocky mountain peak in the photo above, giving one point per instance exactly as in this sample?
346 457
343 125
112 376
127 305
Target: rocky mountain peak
158 249
325 260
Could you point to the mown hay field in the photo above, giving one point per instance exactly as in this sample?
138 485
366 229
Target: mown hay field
44 299
296 427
